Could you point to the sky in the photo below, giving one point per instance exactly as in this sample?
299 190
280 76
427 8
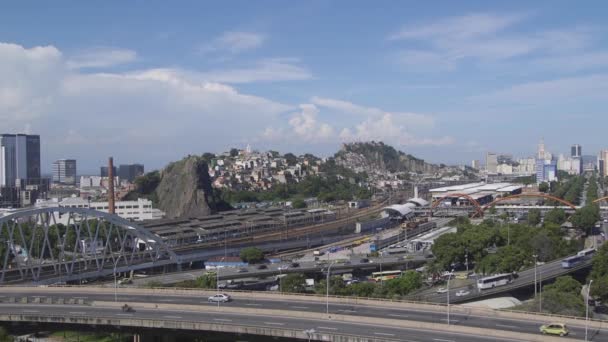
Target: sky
152 81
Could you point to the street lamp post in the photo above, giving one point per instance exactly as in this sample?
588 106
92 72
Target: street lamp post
115 286
535 287
587 310
449 276
217 279
327 292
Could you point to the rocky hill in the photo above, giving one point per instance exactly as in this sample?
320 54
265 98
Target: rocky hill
185 189
376 157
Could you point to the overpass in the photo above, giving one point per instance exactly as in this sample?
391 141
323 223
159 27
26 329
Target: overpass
546 272
273 314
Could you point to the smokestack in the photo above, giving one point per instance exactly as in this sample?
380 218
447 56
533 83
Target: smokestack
111 185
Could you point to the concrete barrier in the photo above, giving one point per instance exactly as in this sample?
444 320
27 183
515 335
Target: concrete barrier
372 321
244 295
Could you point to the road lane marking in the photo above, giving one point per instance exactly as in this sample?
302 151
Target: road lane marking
442 340
166 300
383 334
31 311
342 310
506 326
299 307
124 314
173 317
402 316
76 312
222 320
451 320
327 328
274 323
80 297
253 304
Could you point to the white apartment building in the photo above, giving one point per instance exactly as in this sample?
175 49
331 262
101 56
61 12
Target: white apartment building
140 210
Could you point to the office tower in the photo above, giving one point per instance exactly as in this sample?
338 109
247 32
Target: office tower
19 158
104 171
475 164
130 172
576 151
491 162
64 171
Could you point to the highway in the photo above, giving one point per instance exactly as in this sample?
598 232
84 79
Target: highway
544 272
376 332
410 312
273 269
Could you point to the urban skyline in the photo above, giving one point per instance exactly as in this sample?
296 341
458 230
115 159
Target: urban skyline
431 78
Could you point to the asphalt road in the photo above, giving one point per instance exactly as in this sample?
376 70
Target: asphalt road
379 311
387 333
525 278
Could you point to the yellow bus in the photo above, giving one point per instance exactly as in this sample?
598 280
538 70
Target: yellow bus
386 275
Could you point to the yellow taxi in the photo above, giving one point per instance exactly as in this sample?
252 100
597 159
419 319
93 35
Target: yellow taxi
554 329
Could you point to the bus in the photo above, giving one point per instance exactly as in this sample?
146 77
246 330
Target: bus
495 280
572 261
585 253
386 275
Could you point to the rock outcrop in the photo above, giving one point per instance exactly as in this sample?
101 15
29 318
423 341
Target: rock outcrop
185 189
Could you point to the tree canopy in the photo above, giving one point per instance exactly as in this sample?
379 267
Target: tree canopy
252 254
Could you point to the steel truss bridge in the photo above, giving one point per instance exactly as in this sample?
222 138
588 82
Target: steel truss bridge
49 245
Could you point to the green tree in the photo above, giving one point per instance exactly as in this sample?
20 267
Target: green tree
556 216
251 254
586 217
364 290
234 152
298 203
4 336
543 187
293 282
565 284
207 281
534 217
291 159
336 286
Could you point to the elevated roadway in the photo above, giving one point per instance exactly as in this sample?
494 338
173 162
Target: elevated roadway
371 319
545 272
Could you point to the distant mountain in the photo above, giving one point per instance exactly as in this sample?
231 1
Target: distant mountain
377 157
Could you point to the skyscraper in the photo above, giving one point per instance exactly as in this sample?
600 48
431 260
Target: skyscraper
19 158
130 172
576 151
103 171
541 150
602 159
491 162
64 171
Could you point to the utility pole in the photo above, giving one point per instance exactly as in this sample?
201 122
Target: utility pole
587 310
535 258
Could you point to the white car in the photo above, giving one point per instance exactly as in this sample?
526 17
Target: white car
220 297
283 267
441 290
462 293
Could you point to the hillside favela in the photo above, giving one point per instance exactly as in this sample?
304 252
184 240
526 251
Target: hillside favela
345 171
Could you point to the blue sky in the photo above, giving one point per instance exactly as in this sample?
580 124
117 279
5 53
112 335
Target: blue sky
152 81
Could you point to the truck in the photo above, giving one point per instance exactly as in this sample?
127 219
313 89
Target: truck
317 253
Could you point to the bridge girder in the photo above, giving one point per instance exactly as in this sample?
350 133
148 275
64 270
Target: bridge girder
74 243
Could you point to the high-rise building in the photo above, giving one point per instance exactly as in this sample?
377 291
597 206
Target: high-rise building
541 154
19 158
64 171
546 170
475 164
103 171
576 151
130 172
491 162
602 163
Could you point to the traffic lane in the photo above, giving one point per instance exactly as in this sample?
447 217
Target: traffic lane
387 333
344 309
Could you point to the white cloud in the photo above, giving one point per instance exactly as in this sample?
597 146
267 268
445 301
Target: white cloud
413 119
265 70
306 126
563 90
101 57
483 37
465 27
388 129
152 116
234 42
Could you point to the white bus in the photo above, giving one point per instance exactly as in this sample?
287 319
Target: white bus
495 280
585 253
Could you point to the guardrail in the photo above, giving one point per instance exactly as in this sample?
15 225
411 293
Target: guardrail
468 310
